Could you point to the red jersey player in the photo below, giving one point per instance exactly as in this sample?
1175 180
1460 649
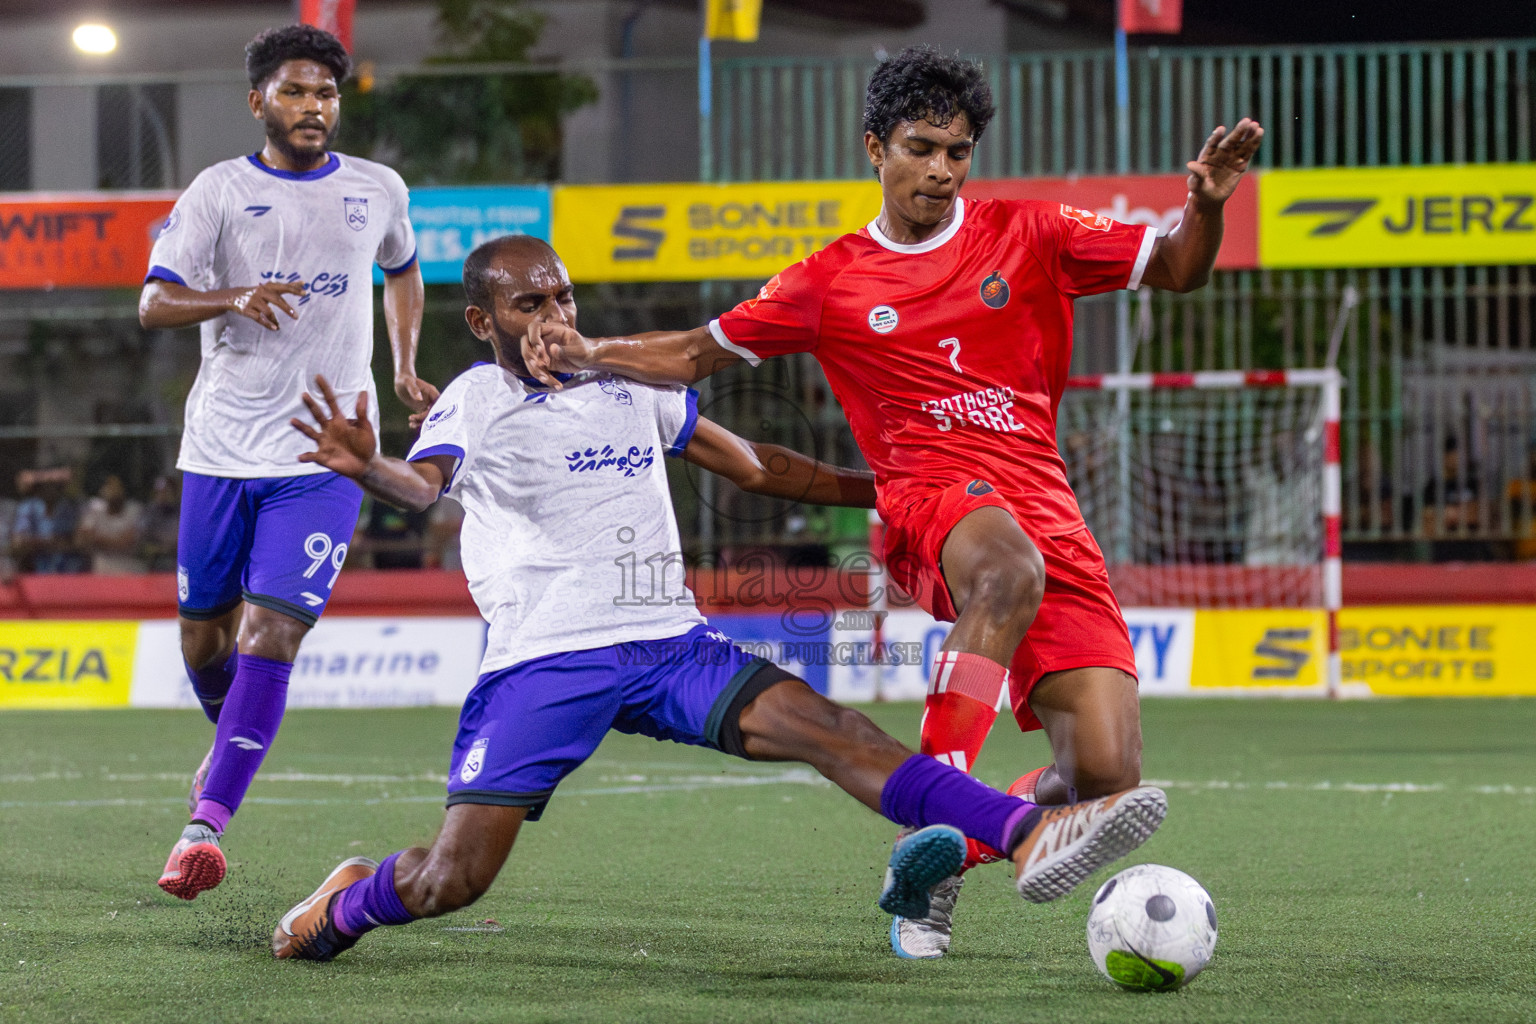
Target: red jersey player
945 330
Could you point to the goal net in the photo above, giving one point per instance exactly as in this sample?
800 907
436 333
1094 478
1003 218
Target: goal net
1209 490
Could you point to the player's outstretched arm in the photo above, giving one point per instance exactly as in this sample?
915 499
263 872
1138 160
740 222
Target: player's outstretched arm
349 447
166 304
1182 260
777 471
656 357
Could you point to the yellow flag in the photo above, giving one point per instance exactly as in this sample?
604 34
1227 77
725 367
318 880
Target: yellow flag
732 19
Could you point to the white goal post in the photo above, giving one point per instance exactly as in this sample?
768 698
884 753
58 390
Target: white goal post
1216 489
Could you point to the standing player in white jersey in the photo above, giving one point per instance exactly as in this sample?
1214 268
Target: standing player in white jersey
272 254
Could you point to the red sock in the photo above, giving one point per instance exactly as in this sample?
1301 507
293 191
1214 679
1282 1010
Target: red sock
1025 784
961 706
980 853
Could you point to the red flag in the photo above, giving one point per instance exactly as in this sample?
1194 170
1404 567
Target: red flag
1164 17
335 16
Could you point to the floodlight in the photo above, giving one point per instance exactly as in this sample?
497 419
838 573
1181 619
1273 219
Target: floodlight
95 39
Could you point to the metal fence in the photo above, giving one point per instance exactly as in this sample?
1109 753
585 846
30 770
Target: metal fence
1434 357
1323 106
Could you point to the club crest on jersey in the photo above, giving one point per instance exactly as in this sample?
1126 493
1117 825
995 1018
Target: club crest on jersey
883 319
994 290
1091 221
357 212
617 390
978 487
474 761
171 223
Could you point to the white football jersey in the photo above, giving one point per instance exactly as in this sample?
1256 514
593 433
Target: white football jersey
241 223
569 539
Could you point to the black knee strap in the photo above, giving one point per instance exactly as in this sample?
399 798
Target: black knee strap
768 674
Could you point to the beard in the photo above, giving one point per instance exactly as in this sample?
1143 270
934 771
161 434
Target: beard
282 140
511 346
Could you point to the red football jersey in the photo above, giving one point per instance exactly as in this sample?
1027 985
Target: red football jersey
949 356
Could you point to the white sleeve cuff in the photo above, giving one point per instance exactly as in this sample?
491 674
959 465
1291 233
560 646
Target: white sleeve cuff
1148 239
752 358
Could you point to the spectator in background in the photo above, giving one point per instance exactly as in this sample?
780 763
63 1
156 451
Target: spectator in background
1520 494
110 531
43 538
161 521
1452 507
7 520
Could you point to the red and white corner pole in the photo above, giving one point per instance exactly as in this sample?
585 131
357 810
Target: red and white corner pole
1333 544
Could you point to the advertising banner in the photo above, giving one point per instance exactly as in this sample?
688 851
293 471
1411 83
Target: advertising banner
1441 651
1163 640
451 222
1153 199
344 663
1399 216
686 232
86 241
1260 651
50 664
909 639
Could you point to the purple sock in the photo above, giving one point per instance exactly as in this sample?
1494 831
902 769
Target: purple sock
924 792
363 906
247 726
211 684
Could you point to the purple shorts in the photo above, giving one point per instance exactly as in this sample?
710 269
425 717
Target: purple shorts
526 727
278 542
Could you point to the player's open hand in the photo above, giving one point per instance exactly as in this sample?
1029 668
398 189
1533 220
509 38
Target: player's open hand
262 302
1214 174
416 393
342 445
550 348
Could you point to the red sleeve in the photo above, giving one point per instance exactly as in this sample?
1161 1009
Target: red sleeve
1088 253
784 317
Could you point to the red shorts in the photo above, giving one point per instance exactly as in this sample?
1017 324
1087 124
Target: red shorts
1079 624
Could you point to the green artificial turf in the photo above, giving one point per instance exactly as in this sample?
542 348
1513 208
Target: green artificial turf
1369 862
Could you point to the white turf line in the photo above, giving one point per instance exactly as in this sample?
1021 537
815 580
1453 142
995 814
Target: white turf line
639 784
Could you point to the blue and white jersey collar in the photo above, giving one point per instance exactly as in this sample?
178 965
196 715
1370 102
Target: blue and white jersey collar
331 165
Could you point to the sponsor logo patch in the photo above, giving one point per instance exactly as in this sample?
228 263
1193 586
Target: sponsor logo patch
474 761
883 319
440 415
1091 221
618 391
628 463
994 290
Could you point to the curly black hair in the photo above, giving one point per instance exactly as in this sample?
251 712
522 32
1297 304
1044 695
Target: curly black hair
922 84
477 265
275 46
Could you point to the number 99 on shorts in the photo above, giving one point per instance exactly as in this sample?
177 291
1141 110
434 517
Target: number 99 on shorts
321 552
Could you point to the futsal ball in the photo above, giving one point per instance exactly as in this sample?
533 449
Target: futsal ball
1152 928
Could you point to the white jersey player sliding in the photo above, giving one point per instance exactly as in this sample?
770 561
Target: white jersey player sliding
565 497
